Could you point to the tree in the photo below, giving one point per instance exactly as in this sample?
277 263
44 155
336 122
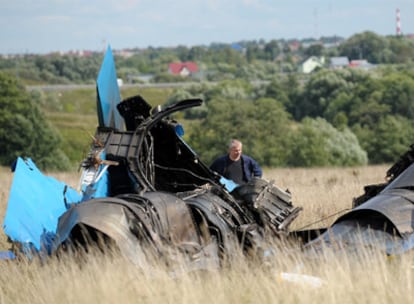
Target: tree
321 89
24 130
348 91
387 139
262 125
285 89
401 50
398 93
272 50
192 113
314 50
276 91
230 89
366 45
317 143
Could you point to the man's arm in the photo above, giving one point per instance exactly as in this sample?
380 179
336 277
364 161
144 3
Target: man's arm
251 167
257 170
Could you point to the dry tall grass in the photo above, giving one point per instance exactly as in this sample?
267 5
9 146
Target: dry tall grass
111 279
324 192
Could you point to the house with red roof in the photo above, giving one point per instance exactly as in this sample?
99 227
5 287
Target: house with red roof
182 68
362 64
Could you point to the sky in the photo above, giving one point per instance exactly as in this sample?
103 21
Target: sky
44 26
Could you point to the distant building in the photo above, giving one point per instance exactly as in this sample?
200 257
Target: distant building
312 63
294 45
339 62
236 47
78 53
183 68
124 53
361 64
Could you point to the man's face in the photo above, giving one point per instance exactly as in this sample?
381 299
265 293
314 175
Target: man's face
235 152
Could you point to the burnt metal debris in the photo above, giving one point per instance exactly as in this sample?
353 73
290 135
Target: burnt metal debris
161 196
382 218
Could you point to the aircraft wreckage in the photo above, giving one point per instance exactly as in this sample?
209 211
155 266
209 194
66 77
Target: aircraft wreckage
145 190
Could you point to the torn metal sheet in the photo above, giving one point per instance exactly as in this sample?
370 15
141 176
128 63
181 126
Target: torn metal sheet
35 204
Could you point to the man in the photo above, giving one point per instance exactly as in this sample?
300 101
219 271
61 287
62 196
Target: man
236 166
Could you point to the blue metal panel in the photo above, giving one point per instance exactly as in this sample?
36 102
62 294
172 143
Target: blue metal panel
35 203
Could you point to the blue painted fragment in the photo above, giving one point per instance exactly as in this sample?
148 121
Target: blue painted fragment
229 184
7 255
108 94
35 203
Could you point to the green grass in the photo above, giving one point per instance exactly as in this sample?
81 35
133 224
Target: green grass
73 114
154 96
84 100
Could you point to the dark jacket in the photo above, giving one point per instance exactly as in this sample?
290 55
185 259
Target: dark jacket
250 167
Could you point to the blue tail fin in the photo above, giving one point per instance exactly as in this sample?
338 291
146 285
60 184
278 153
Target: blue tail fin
108 94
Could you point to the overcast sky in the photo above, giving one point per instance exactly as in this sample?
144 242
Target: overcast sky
43 26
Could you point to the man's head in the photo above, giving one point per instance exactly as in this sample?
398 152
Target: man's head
235 149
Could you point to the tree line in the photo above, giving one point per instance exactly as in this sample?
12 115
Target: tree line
341 117
249 60
337 118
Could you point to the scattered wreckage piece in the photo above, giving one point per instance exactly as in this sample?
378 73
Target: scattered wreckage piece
382 218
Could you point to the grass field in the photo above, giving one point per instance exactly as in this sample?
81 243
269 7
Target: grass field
322 192
73 114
